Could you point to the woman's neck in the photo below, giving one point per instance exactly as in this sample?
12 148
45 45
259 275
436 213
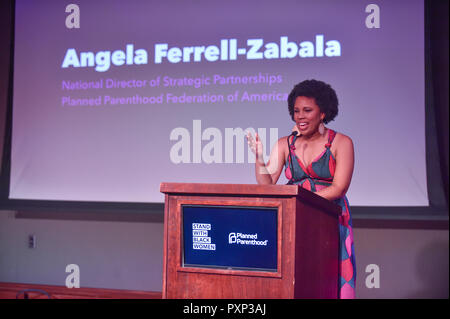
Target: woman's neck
315 136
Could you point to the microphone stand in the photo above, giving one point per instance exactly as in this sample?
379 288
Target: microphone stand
291 180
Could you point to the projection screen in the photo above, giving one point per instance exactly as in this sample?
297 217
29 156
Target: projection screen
111 98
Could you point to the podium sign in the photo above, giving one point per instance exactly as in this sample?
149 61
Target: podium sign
224 237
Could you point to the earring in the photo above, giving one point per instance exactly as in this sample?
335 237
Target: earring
321 128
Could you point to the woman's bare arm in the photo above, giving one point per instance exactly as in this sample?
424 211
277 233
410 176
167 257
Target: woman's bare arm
344 156
267 173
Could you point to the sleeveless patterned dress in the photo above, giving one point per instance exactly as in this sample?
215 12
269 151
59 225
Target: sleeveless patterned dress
318 175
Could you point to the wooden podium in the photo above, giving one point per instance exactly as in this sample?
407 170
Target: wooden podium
307 244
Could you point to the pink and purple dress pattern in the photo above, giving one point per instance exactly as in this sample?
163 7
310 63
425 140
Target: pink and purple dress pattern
318 175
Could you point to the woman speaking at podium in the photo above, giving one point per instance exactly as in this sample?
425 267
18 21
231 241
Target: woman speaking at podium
317 158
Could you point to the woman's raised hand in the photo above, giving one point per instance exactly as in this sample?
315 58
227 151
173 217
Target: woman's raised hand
255 145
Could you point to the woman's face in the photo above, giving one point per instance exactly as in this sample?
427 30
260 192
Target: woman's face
307 115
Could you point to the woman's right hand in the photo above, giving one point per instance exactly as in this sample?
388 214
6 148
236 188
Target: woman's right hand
255 145
267 173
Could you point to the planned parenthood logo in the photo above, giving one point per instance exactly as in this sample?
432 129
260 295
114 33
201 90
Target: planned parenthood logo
232 238
246 239
200 238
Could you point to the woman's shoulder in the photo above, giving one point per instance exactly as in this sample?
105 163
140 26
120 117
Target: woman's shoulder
342 137
282 143
283 140
342 140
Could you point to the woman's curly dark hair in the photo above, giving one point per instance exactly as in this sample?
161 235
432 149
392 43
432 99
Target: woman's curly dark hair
324 95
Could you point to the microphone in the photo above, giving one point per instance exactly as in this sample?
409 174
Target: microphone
294 133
